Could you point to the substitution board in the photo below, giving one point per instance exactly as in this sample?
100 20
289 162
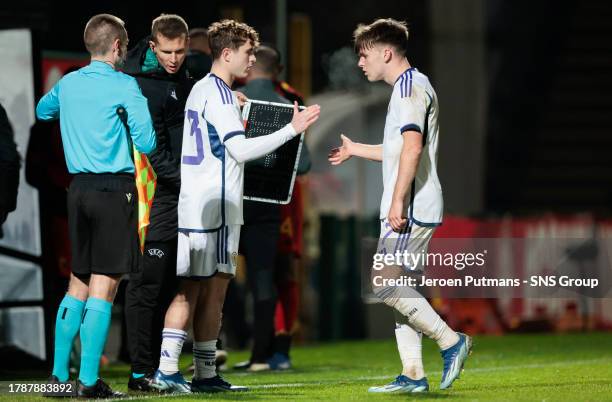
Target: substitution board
270 178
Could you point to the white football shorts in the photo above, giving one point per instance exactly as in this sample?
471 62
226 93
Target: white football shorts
202 255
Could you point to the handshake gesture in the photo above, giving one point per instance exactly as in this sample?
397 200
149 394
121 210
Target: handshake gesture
304 119
344 152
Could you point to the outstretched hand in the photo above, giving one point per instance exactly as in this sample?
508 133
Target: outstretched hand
342 153
304 119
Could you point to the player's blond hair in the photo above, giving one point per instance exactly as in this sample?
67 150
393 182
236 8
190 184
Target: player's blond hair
229 34
382 31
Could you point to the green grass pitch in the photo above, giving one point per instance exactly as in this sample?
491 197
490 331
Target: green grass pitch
564 368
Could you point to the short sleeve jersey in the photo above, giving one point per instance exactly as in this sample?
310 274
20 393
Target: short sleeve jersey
413 106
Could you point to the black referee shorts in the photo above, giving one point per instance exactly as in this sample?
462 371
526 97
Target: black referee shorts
103 224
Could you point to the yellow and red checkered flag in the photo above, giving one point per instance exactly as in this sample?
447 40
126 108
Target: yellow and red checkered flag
146 182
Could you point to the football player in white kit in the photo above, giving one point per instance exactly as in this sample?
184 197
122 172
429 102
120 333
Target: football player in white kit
210 205
411 205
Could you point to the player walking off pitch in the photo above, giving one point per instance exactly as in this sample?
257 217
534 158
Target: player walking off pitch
411 205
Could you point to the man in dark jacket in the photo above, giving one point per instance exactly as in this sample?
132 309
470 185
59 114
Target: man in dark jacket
157 64
198 60
261 231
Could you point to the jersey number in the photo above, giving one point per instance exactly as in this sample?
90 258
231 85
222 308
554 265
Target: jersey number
192 115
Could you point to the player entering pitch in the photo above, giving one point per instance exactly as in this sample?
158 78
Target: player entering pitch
411 205
210 205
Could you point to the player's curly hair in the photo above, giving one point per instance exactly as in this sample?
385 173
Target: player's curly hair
382 31
229 34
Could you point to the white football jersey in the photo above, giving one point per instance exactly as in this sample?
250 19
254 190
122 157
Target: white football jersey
413 106
211 180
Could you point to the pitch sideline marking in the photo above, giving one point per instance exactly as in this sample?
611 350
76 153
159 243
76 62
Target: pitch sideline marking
311 384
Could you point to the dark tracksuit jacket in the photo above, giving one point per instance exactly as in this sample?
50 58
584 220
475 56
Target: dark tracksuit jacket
150 292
